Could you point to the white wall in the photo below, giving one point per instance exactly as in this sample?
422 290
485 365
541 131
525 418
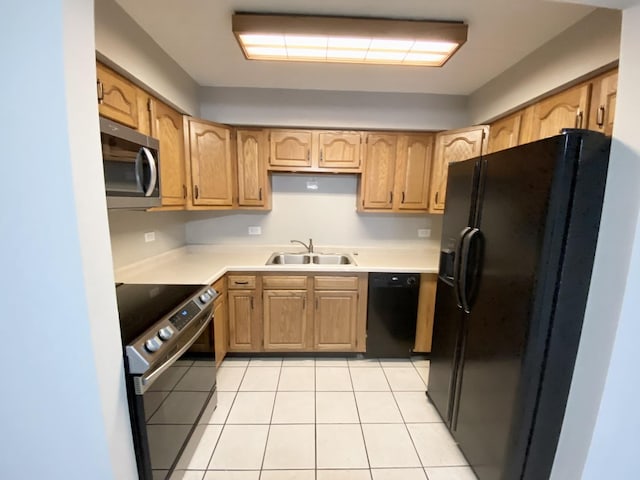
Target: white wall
127 230
327 215
123 42
588 45
63 409
606 384
318 108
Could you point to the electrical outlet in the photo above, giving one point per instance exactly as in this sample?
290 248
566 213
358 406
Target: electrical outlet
150 237
424 232
312 185
255 230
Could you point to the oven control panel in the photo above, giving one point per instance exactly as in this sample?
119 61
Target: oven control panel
185 315
165 335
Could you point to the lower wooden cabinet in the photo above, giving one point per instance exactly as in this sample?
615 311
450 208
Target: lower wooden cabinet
221 321
245 334
426 309
335 320
297 313
286 320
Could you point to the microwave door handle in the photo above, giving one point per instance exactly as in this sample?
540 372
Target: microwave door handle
138 169
154 171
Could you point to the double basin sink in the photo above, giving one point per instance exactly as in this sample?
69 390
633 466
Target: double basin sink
283 258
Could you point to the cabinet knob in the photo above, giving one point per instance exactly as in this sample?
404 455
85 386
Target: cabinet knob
197 191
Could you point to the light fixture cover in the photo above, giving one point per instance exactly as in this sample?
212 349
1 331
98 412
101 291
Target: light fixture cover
304 38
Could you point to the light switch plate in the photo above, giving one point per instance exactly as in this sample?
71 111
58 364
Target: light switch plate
150 237
424 232
255 230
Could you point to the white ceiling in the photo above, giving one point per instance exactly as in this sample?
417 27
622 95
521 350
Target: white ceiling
197 35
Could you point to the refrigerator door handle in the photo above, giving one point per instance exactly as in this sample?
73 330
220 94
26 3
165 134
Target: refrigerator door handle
471 243
457 265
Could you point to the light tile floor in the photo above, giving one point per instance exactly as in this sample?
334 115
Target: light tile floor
322 419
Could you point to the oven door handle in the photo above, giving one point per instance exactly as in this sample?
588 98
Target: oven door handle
142 383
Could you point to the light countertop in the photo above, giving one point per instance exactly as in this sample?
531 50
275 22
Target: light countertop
203 264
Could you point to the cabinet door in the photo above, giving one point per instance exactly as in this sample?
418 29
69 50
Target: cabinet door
220 328
426 309
244 332
453 146
117 97
505 132
379 171
415 167
252 169
290 148
335 320
339 150
603 103
286 323
211 166
567 109
168 129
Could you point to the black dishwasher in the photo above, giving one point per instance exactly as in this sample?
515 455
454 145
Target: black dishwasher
391 314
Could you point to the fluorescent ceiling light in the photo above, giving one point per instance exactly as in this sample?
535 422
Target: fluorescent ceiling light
347 40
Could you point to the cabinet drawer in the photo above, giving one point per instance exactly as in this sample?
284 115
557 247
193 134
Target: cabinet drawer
243 282
336 283
289 282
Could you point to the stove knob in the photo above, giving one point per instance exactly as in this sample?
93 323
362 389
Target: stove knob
166 333
205 297
211 291
153 344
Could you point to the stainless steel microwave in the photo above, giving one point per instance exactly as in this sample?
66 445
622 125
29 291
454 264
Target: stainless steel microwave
131 167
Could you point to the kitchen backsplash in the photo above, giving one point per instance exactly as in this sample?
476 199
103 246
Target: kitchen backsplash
328 215
128 229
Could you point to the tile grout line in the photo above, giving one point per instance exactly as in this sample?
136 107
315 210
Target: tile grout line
315 424
224 424
364 441
415 449
266 443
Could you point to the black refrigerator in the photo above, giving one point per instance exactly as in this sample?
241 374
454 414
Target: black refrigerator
518 243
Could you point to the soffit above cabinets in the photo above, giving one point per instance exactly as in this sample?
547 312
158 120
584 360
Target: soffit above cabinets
197 35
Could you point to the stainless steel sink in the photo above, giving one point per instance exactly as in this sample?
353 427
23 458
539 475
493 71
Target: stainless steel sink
283 258
280 258
332 259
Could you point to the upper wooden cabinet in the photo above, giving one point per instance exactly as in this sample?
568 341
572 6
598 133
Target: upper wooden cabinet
414 169
339 150
315 151
453 146
254 188
591 104
289 148
168 128
211 165
509 131
396 173
378 178
603 102
567 109
117 97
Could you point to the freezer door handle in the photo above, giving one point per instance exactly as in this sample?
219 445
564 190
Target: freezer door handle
471 264
457 265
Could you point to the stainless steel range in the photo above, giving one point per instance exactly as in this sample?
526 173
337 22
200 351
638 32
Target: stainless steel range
167 392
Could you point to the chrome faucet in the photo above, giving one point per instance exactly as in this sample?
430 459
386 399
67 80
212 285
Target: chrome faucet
308 247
